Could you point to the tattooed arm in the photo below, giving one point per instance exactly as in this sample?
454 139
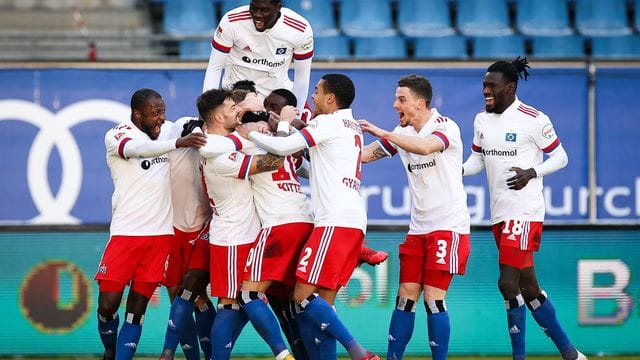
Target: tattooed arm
265 162
373 152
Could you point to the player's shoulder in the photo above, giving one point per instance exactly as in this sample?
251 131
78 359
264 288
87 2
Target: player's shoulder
295 21
237 15
120 128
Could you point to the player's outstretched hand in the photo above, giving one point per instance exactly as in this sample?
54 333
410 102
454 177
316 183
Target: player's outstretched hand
195 139
260 126
371 129
521 179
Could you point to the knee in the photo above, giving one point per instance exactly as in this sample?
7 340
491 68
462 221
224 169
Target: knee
530 292
509 289
195 281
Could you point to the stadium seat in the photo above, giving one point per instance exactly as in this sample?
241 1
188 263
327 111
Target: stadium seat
232 4
195 17
602 17
331 48
543 17
360 18
194 49
625 47
558 47
441 47
424 18
382 48
319 13
483 18
636 17
496 47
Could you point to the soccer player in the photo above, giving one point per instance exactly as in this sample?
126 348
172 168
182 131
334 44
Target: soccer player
235 224
330 255
189 254
437 245
258 42
509 140
140 231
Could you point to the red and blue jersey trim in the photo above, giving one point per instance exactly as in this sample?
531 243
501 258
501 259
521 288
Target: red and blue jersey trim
220 47
244 167
442 137
476 148
303 56
386 145
308 138
236 141
121 147
552 147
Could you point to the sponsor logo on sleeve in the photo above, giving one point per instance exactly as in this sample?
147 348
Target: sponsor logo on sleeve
548 132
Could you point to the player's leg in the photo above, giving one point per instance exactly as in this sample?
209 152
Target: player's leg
227 265
129 335
279 297
544 313
511 260
446 255
256 282
109 300
326 271
412 265
205 313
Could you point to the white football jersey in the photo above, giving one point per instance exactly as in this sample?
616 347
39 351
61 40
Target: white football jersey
141 201
263 57
438 198
335 148
235 221
516 138
278 196
191 207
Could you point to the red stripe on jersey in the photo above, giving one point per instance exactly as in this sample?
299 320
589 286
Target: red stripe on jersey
248 17
244 168
476 148
220 47
527 110
308 138
296 21
121 147
236 141
552 147
241 13
303 56
293 25
387 146
442 137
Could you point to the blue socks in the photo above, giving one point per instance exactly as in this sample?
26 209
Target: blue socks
205 314
108 330
545 315
401 327
179 317
189 341
516 322
307 333
263 320
129 337
323 315
439 328
226 328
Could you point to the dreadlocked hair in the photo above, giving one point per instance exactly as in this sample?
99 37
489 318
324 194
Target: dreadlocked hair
512 70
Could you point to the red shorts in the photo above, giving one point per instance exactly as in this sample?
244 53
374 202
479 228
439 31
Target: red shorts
516 241
442 251
182 245
200 256
329 256
134 258
276 251
227 269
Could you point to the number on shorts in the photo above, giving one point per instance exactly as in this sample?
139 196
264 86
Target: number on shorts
513 227
442 250
304 262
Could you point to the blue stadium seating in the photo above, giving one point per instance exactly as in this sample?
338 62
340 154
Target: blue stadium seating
625 47
331 48
195 17
636 18
319 13
195 49
424 18
602 17
543 17
366 18
483 17
441 47
385 48
497 47
558 47
232 4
